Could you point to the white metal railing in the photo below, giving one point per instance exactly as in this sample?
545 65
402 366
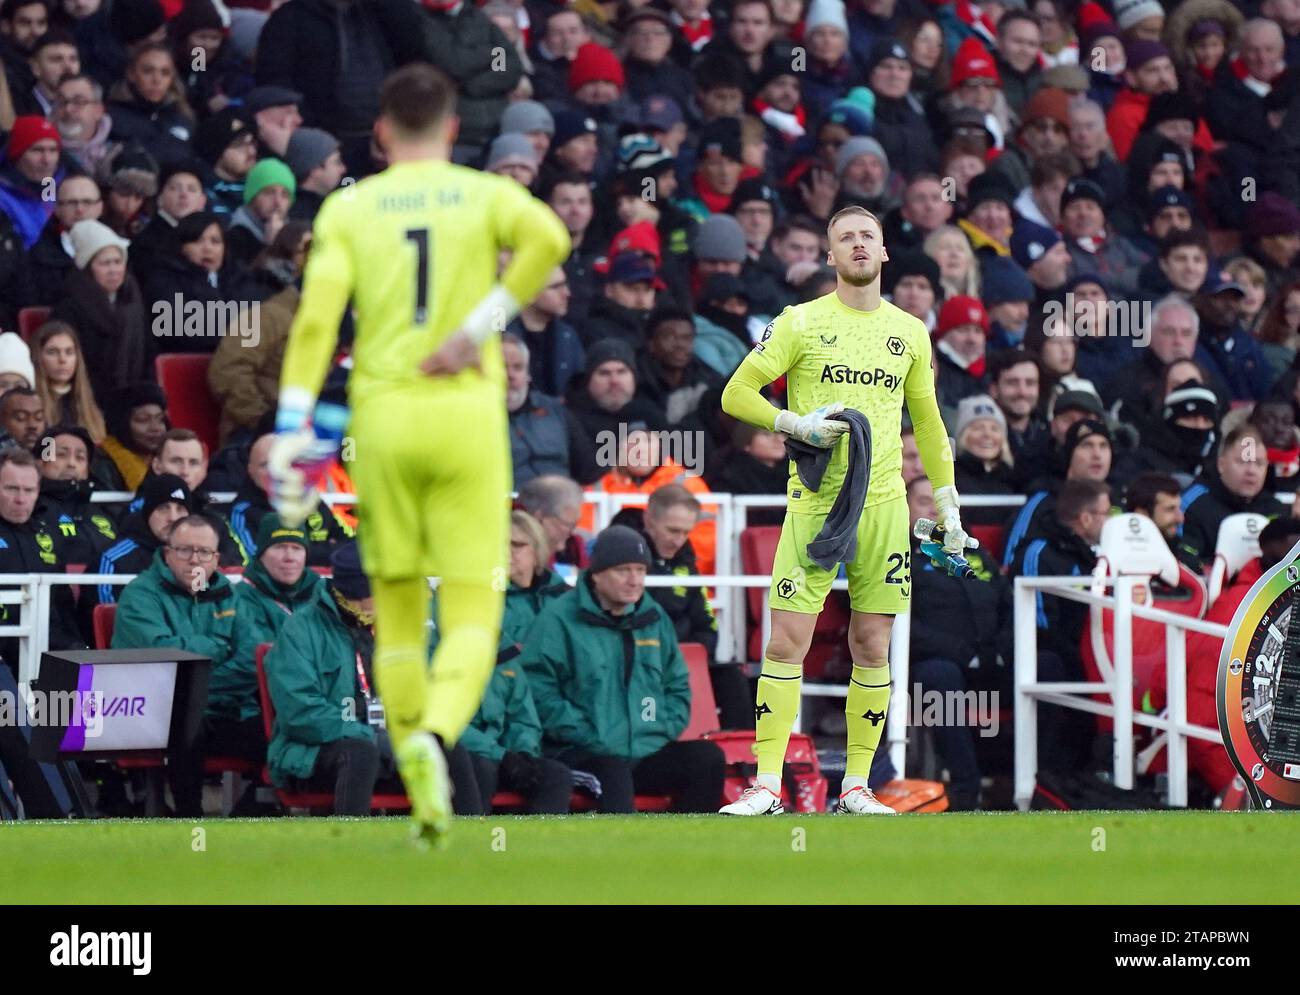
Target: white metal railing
1030 692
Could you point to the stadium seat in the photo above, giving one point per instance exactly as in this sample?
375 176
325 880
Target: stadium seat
316 801
1132 545
30 319
183 377
704 708
1237 544
101 622
992 540
757 554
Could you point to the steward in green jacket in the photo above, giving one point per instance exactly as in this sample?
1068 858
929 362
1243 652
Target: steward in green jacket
182 600
611 687
320 679
276 584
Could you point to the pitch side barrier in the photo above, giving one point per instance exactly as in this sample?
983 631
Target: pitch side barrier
1030 692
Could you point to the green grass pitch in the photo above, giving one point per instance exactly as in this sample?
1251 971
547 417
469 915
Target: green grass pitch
1078 857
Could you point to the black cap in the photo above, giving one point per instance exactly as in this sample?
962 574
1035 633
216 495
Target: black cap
990 186
754 188
913 262
260 98
886 48
1080 188
616 546
723 286
218 132
158 490
1081 430
1079 400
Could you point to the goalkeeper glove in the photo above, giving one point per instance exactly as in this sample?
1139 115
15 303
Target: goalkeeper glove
955 539
816 428
299 459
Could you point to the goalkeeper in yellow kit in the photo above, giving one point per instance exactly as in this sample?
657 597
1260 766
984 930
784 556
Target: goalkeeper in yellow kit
848 349
415 250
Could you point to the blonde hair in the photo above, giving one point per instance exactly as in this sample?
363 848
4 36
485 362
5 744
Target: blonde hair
1245 270
86 411
970 285
1004 455
536 536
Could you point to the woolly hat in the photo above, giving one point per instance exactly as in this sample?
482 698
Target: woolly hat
1030 242
511 149
16 357
961 310
1047 103
272 530
1002 281
970 409
825 13
217 133
1272 214
594 63
27 131
308 148
990 186
1081 188
570 125
973 61
1081 430
198 15
160 489
912 262
89 237
267 173
1140 51
349 579
1190 398
616 546
1131 12
526 116
610 350
855 111
855 147
720 237
135 20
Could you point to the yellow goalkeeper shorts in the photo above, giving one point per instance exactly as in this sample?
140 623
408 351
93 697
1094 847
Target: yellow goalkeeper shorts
879 575
433 478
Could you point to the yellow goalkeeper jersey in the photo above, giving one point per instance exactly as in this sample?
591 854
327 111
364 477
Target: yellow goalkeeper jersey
868 360
415 249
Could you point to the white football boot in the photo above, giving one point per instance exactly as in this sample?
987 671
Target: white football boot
860 801
756 800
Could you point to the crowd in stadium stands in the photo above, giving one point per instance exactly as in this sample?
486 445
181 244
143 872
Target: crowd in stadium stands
1093 206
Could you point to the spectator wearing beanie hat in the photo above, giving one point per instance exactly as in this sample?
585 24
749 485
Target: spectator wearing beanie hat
644 189
1007 294
1201 34
318 167
975 79
990 213
572 658
1140 20
1272 239
603 401
830 74
533 121
649 66
31 158
165 499
136 417
862 169
180 193
719 247
268 194
575 146
855 112
226 143
512 155
16 369
1044 130
484 64
959 338
596 83
778 104
756 205
1044 257
103 302
912 282
1092 246
982 455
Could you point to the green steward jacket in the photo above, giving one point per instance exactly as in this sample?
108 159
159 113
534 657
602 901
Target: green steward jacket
312 675
614 685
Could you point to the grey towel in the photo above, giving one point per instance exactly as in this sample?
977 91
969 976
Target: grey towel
837 542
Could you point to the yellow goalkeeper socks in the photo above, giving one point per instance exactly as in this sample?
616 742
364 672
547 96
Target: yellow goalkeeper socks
864 711
401 649
469 626
775 711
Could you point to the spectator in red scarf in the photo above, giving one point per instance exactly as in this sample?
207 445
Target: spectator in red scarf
719 168
1093 247
959 339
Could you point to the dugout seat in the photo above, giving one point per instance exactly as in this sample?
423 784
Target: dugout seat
1237 544
315 801
183 377
830 636
704 708
102 618
1133 545
29 320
